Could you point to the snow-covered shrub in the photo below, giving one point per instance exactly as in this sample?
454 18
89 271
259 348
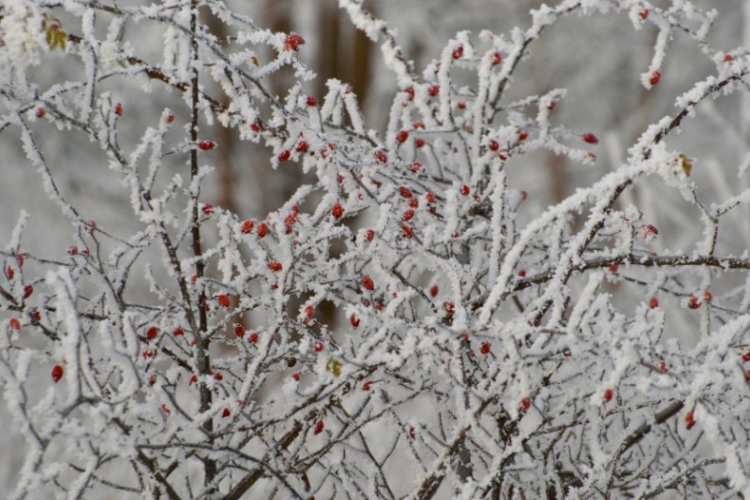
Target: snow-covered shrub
481 344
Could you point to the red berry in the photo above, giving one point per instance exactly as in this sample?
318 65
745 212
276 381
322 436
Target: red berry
312 100
523 135
521 273
458 52
239 331
262 230
73 250
405 192
412 433
410 92
367 385
524 195
525 405
689 420
608 394
653 303
465 190
415 167
284 155
15 324
275 266
380 157
643 14
208 209
590 138
354 320
57 373
337 212
693 303
494 146
663 366
226 413
434 90
406 232
253 338
152 333
292 42
27 291
152 380
461 105
401 137
309 311
485 349
170 118
655 77
206 145
419 142
746 357
707 296
41 112
370 235
449 307
301 147
218 376
613 268
255 127
90 226
414 203
247 227
148 354
367 283
317 346
319 427
118 109
496 58
552 106
649 231
429 197
408 215
223 301
295 376
728 58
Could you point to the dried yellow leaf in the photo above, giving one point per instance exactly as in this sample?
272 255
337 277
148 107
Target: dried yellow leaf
686 163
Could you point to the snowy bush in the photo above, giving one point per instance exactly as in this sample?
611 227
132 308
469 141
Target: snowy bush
410 322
